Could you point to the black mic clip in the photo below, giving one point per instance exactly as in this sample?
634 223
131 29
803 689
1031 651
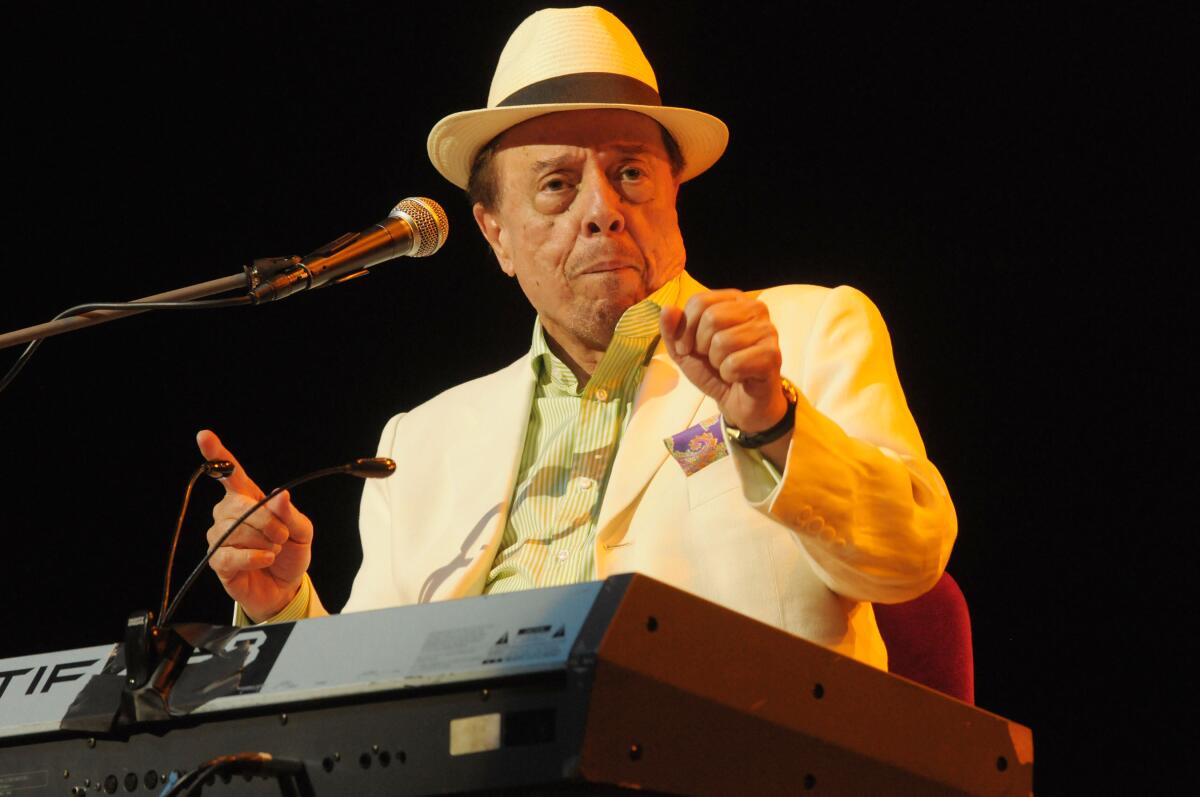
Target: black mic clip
261 273
265 268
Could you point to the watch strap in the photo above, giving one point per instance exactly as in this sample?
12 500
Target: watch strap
785 424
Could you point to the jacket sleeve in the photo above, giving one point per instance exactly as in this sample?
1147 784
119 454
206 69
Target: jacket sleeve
374 585
371 584
869 509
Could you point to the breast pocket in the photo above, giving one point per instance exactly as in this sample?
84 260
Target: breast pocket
712 481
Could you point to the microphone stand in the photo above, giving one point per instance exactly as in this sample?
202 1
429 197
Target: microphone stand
186 294
248 280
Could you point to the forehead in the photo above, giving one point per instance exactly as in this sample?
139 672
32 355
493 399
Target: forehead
591 129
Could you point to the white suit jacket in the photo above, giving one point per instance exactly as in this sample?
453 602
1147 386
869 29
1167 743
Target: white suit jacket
860 516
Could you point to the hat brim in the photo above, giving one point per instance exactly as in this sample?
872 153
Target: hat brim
455 140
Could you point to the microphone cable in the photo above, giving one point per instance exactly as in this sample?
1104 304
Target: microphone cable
364 468
80 309
418 223
217 469
263 764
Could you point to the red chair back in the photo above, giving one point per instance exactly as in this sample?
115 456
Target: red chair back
929 640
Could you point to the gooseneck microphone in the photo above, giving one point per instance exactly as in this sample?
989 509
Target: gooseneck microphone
217 469
363 468
416 227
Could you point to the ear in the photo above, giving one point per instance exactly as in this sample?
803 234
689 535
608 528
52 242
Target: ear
493 231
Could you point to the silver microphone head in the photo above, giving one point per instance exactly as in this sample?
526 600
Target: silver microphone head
430 227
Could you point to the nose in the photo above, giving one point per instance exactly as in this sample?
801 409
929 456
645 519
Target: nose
602 212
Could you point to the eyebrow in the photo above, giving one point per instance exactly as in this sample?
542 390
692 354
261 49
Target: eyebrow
561 161
553 164
631 149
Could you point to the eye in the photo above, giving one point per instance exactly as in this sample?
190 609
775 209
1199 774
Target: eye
555 184
635 182
555 193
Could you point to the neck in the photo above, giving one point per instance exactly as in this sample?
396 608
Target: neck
576 355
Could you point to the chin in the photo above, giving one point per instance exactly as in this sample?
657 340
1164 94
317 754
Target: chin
608 313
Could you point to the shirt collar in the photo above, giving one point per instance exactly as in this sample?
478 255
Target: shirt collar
637 323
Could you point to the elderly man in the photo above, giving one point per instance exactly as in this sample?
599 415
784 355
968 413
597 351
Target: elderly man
752 448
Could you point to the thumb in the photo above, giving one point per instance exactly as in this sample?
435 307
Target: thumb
673 323
239 481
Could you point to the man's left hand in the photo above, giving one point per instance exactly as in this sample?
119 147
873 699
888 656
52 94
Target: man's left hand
727 346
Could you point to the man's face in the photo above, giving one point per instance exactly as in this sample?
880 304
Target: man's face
585 218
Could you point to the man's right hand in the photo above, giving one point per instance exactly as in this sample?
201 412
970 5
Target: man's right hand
262 564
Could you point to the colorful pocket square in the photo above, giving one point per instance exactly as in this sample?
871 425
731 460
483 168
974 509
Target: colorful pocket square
697 447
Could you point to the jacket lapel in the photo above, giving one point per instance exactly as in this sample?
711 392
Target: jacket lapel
498 426
665 404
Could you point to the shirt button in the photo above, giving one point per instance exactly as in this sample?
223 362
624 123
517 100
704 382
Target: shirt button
562 556
585 483
602 394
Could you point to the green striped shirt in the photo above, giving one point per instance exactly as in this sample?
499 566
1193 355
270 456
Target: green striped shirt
569 449
570 446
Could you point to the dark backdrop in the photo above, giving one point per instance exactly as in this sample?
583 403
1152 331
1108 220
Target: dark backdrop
988 175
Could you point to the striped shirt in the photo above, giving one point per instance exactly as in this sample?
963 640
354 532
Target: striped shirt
570 446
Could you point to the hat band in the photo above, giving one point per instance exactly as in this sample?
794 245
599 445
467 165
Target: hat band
604 87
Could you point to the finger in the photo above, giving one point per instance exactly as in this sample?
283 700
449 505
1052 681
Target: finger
242 537
299 527
756 367
239 481
693 311
726 315
671 323
725 342
262 521
229 562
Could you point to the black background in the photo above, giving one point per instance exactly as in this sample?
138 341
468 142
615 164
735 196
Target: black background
998 178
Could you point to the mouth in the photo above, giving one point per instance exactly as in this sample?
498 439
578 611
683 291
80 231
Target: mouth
606 266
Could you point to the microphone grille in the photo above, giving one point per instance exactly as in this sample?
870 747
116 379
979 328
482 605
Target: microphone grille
429 223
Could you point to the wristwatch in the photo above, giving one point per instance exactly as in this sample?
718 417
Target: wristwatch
759 439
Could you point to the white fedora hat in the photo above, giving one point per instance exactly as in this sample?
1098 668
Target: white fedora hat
568 59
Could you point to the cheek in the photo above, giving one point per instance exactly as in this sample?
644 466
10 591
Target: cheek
546 243
660 228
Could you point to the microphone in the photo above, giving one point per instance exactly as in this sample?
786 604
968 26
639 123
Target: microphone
416 227
155 653
363 468
217 469
371 467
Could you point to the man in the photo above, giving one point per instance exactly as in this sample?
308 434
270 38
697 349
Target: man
754 449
